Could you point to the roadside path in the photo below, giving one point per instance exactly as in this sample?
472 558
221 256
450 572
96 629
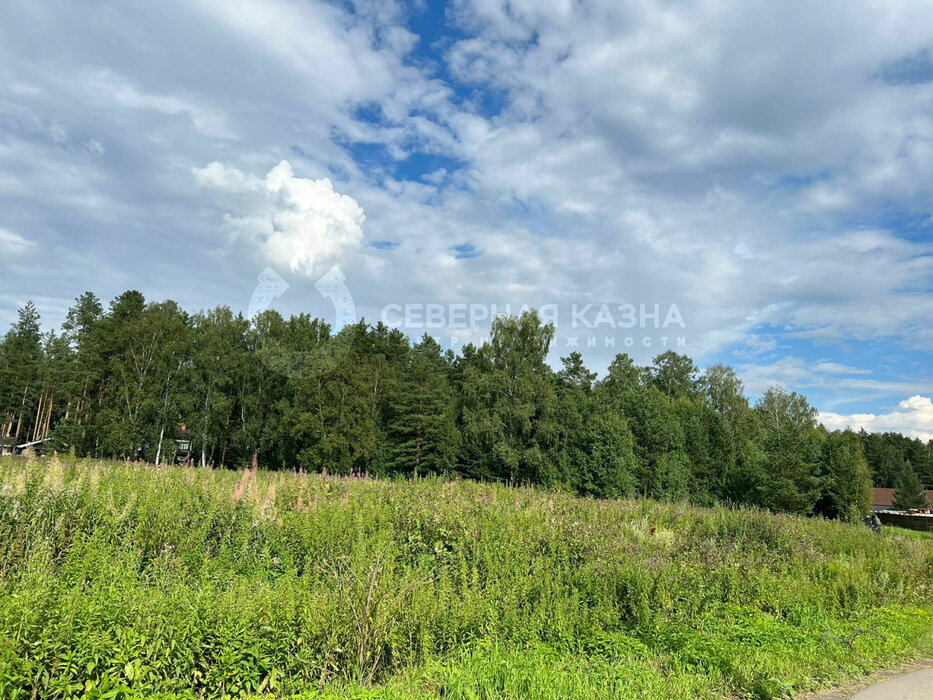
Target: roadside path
911 686
912 681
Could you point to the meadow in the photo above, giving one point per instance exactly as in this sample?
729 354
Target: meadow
126 580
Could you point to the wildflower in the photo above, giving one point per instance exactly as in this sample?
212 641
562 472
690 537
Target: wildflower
240 490
269 500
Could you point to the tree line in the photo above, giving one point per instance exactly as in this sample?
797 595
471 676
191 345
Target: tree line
288 393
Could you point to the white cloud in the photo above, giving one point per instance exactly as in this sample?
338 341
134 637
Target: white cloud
644 152
108 86
913 417
830 367
286 216
684 139
794 372
785 372
12 242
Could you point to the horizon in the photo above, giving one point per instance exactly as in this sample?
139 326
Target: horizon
829 420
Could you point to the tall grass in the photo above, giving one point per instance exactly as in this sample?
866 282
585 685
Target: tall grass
121 580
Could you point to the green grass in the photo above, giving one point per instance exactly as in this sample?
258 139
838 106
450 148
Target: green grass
916 534
121 581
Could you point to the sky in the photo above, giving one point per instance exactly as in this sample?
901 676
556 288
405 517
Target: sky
747 182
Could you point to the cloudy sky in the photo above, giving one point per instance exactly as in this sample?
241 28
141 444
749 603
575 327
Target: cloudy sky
762 169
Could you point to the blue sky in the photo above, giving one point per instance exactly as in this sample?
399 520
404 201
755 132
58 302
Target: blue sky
767 168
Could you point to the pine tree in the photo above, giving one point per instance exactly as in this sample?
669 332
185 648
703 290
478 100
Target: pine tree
909 493
22 375
81 380
790 478
422 426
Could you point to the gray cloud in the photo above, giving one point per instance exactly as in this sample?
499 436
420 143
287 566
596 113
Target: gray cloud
742 162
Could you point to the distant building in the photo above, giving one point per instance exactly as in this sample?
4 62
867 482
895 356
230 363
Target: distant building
883 499
8 446
38 447
182 444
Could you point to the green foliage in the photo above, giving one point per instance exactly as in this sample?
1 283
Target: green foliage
288 393
846 478
674 374
510 403
886 454
778 408
909 493
725 392
422 423
130 581
791 481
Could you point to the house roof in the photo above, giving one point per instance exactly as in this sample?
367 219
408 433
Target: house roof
31 444
885 497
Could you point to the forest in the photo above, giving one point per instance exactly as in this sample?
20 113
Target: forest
289 393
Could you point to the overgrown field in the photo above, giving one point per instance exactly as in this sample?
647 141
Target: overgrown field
131 581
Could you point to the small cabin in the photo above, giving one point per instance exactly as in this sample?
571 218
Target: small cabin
182 444
37 447
883 499
8 446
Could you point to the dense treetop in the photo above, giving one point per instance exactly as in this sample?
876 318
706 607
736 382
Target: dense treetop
290 393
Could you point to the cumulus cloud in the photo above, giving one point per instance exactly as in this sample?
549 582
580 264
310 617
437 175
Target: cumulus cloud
912 417
680 140
285 216
641 152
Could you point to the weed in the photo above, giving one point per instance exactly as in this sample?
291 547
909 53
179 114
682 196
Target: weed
125 580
